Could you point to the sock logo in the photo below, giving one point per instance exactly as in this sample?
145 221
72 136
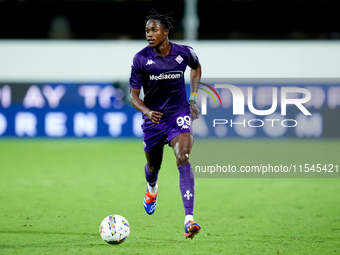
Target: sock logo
188 195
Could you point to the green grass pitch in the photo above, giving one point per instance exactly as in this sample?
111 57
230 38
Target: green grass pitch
54 194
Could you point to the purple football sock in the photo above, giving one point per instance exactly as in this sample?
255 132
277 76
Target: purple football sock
150 178
187 187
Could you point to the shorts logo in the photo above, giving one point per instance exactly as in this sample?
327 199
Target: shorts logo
179 59
144 144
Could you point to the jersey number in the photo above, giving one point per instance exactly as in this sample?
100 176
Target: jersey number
183 122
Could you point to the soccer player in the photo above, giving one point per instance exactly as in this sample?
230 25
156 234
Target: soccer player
159 69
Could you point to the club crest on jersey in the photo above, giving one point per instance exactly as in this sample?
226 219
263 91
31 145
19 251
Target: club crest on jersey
150 62
179 59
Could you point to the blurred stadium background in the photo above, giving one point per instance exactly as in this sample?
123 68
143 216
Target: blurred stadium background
123 19
65 64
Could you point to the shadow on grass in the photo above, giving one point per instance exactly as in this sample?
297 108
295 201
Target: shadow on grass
46 233
41 239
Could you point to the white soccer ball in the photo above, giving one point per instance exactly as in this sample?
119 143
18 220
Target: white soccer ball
114 229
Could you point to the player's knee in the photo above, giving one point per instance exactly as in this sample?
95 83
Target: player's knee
154 169
182 158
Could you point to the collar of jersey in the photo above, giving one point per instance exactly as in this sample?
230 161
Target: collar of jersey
155 55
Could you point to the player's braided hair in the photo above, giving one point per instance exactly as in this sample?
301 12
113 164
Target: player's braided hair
165 19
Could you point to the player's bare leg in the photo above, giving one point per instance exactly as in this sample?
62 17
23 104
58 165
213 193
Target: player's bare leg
181 145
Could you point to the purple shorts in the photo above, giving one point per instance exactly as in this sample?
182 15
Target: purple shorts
157 135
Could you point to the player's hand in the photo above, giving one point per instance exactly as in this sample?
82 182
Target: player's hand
154 116
195 112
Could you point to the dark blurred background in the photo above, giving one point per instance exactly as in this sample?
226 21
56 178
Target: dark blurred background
124 19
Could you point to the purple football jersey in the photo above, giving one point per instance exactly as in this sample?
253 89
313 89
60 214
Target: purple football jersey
162 78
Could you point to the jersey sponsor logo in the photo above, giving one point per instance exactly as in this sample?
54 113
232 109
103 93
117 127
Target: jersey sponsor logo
150 62
166 76
179 59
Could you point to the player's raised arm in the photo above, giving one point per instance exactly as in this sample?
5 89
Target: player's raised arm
195 78
137 103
